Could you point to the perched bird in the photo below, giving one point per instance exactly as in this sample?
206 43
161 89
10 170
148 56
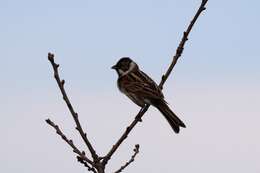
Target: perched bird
141 89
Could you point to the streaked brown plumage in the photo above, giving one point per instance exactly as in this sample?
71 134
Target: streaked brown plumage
141 89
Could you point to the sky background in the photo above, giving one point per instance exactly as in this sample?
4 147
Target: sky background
214 88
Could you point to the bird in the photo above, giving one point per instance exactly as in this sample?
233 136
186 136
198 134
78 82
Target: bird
142 90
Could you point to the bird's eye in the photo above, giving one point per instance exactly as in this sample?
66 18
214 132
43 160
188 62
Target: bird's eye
125 64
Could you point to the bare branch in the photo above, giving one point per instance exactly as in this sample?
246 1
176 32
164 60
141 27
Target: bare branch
136 151
73 113
86 164
125 134
164 78
81 155
98 164
180 48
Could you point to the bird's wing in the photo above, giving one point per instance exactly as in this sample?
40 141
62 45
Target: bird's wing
143 90
149 81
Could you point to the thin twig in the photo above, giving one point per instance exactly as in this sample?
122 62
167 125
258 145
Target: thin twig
86 164
164 78
73 113
180 48
125 134
136 151
81 155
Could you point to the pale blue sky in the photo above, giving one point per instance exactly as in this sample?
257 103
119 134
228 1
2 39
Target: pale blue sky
214 87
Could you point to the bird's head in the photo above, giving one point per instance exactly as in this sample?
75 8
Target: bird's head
124 66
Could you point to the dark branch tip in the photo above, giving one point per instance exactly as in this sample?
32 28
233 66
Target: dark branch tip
48 121
136 149
51 57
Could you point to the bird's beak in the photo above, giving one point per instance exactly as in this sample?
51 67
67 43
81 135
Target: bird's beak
114 67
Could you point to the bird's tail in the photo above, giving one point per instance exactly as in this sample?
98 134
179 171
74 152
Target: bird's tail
170 116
